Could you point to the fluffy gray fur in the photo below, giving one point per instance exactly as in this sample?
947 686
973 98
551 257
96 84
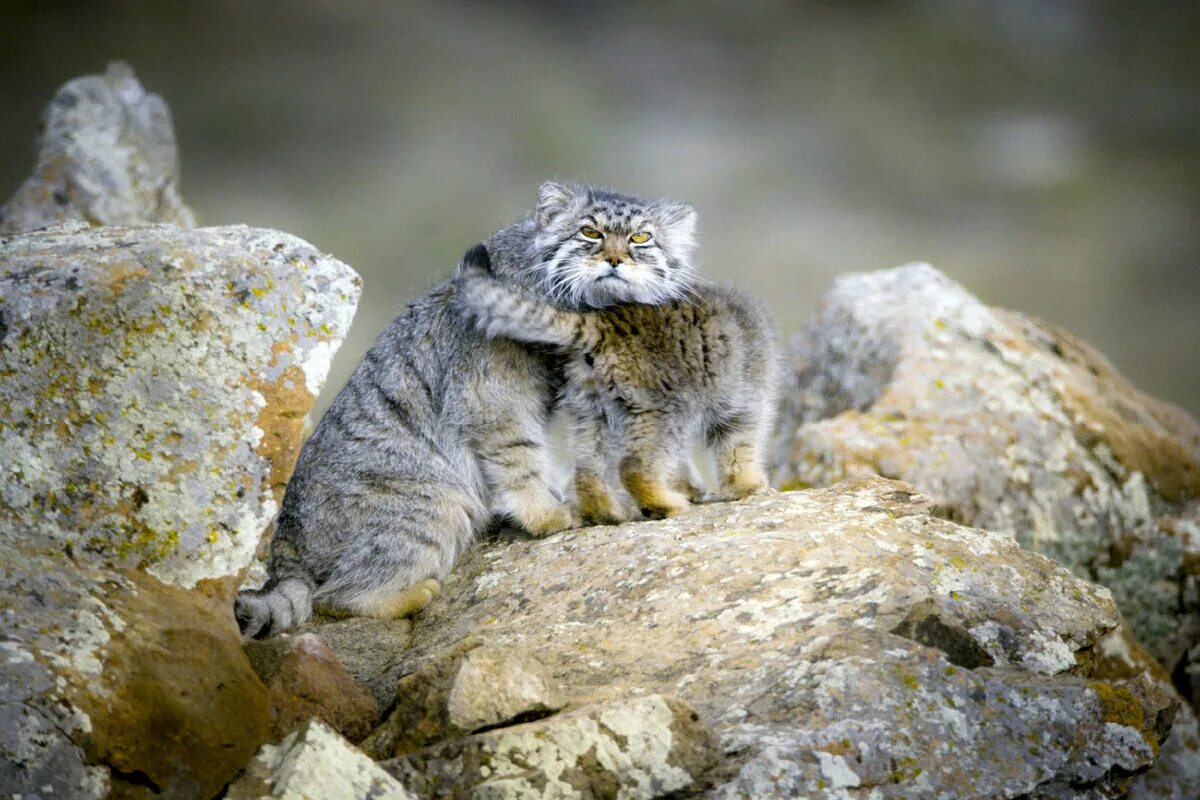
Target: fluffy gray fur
438 430
643 382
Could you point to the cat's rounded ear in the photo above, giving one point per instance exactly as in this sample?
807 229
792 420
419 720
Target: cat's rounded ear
553 199
680 220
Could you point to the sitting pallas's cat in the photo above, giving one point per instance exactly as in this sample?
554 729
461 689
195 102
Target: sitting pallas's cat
643 382
440 429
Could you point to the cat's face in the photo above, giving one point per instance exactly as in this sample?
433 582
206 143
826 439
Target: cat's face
597 248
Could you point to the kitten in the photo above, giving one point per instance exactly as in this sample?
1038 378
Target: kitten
438 430
642 382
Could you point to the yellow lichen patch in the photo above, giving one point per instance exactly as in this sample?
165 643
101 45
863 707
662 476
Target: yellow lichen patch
282 418
1120 706
1163 444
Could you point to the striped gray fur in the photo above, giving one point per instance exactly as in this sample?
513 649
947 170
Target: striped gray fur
644 382
438 431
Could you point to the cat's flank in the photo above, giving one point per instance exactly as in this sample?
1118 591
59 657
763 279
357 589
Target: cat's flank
438 431
644 382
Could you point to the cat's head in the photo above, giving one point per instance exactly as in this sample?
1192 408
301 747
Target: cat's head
595 248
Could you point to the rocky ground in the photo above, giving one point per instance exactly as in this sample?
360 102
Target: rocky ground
887 626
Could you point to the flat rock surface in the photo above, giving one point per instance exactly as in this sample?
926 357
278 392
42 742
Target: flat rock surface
837 640
1011 425
153 387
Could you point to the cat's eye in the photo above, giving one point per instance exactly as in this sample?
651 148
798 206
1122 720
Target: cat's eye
590 233
640 238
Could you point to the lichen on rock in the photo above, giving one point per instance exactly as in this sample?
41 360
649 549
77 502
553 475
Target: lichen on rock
112 682
155 383
314 762
638 748
841 642
472 687
1011 425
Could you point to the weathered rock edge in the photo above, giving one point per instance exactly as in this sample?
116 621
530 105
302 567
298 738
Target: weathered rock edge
835 639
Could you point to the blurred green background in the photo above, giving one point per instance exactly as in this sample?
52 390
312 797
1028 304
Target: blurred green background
1044 154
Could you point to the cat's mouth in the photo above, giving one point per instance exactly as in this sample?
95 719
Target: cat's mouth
612 276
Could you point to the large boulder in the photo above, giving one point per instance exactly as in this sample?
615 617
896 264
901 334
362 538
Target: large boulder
106 156
1011 425
155 385
837 640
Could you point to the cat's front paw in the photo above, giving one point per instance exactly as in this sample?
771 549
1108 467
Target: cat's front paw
550 521
597 505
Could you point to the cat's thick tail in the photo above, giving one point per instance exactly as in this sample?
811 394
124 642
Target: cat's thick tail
501 311
281 604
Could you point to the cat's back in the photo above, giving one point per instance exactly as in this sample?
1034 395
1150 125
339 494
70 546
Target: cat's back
703 327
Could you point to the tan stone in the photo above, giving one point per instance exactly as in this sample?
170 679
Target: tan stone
637 748
837 640
314 763
304 679
472 687
114 682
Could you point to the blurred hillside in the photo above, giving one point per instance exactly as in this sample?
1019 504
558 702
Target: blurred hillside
1046 155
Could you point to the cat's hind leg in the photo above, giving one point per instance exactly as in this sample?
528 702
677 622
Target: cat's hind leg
737 441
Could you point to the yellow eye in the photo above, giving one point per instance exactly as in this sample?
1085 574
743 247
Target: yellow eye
640 238
591 233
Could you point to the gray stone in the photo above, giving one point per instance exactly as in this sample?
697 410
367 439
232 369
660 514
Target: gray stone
837 640
1010 425
642 747
314 762
473 686
154 386
370 649
106 156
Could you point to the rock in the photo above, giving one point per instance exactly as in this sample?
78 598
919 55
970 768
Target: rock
835 639
106 156
304 679
154 386
111 681
314 762
1013 426
473 686
370 649
641 747
1118 656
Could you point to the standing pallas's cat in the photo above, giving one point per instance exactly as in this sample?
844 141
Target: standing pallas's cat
439 429
643 383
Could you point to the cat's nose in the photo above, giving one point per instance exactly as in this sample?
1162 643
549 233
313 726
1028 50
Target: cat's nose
615 260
